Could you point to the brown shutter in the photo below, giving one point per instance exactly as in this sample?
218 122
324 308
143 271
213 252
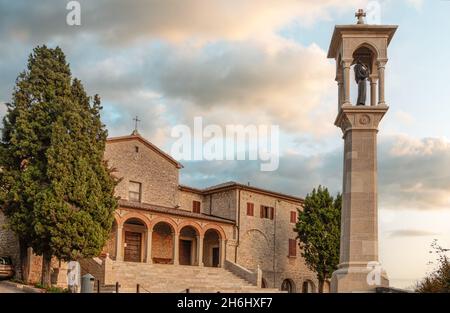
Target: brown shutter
292 247
272 213
249 209
293 217
196 206
262 211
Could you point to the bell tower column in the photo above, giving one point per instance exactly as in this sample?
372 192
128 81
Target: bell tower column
366 47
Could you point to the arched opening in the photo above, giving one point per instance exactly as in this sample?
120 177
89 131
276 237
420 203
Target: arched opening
288 286
188 246
211 248
367 56
308 287
134 240
162 243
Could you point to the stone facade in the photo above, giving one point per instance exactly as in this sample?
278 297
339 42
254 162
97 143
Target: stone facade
9 245
158 226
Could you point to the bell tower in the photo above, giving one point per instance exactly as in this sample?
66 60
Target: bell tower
364 46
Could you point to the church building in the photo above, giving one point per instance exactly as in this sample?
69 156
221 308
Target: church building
169 237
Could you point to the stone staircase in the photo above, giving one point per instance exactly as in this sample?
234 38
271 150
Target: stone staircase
177 279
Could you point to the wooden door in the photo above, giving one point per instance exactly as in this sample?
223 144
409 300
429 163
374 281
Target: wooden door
185 252
215 257
133 247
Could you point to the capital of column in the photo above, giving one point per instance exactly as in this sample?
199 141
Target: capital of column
360 118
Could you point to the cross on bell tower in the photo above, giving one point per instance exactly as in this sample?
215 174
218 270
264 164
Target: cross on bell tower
360 14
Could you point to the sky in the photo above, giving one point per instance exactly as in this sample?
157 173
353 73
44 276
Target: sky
264 62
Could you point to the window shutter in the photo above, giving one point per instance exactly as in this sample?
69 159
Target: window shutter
196 206
292 247
262 211
249 209
272 213
293 217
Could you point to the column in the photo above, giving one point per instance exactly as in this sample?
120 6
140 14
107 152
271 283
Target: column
176 258
149 246
381 91
340 91
119 247
200 250
373 91
222 252
346 66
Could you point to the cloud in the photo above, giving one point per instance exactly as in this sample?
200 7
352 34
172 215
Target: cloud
118 22
416 179
411 233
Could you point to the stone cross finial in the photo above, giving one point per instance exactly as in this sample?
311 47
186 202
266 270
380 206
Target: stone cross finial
360 15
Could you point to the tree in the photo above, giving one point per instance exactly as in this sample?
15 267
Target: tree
439 280
55 187
318 229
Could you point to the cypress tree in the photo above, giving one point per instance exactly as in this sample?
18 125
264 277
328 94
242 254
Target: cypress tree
318 229
56 189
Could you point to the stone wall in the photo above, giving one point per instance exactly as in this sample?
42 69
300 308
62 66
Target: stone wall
136 162
186 199
9 245
264 242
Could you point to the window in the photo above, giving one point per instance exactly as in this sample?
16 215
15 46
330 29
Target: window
292 248
134 192
196 206
293 217
267 212
250 209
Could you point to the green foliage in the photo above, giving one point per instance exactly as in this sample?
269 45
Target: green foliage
54 185
439 280
318 229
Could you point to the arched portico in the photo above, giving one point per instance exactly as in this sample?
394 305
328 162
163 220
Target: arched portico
138 237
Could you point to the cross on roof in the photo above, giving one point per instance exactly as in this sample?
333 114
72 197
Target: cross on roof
136 121
360 14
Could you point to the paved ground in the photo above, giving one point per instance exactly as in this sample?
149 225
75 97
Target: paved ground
8 288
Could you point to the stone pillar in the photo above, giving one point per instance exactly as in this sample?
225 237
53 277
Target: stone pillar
119 246
359 225
149 247
222 252
373 91
176 252
381 83
200 250
340 91
346 67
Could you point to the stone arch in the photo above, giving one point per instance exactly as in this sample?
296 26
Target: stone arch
212 247
217 228
193 224
139 216
135 237
288 285
167 220
373 58
308 286
251 254
163 241
188 243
